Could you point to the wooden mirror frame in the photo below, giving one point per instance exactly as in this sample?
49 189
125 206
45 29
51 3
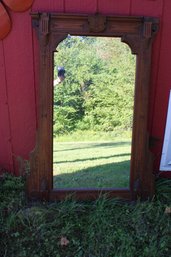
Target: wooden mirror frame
138 33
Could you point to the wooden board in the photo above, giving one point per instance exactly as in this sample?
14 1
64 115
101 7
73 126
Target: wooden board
3 94
6 153
114 7
20 85
146 7
6 161
79 6
163 85
48 5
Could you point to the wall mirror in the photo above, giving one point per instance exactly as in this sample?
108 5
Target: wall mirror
92 113
92 133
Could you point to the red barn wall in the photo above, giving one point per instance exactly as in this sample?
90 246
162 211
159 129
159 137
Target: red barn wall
19 69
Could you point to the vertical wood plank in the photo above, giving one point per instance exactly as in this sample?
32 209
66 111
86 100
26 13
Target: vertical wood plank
114 7
163 84
152 8
3 95
147 7
48 5
5 135
6 161
20 85
155 9
35 56
80 6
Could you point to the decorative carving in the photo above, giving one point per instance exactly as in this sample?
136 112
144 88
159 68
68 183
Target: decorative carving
44 28
150 27
147 29
137 32
44 24
97 23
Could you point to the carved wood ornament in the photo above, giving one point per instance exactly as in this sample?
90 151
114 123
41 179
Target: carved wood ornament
138 33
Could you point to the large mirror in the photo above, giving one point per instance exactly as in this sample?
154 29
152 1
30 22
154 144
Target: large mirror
94 81
92 135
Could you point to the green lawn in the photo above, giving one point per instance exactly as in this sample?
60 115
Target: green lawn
98 164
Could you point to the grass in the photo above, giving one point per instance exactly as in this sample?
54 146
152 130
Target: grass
103 228
90 135
88 164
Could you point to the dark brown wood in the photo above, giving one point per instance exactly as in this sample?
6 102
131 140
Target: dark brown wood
138 33
91 194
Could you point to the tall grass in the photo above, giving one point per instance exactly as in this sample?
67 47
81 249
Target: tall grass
91 135
103 228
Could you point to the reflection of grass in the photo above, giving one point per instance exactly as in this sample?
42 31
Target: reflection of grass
89 135
91 164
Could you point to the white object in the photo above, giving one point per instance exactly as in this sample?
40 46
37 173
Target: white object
165 164
56 82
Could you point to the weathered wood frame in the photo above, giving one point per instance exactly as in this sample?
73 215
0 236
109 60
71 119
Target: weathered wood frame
138 33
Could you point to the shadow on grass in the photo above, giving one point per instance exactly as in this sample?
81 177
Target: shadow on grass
93 145
113 175
93 158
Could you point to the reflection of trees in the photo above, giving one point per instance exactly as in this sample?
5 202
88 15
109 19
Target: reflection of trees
98 90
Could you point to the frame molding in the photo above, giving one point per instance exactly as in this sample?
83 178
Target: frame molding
138 33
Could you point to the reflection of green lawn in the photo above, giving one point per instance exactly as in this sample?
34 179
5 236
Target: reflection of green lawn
91 164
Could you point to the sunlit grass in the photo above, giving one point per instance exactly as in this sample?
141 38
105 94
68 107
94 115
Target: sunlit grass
99 164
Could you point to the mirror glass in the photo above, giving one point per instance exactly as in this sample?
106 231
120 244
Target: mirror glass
93 102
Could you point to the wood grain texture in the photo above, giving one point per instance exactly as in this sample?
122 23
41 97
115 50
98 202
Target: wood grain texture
154 9
138 33
6 161
39 5
90 194
20 85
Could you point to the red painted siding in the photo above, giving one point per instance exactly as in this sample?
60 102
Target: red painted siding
147 7
19 72
163 85
48 5
5 133
152 8
79 6
114 7
20 85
